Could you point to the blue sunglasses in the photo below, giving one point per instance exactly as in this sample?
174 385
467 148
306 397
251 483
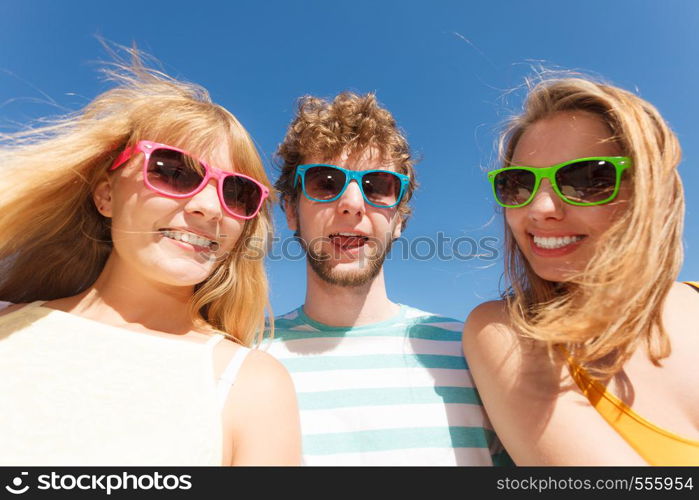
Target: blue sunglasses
326 183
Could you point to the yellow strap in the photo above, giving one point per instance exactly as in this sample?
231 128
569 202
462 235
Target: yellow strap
654 444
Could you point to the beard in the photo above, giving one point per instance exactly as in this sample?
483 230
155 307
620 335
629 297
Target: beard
321 263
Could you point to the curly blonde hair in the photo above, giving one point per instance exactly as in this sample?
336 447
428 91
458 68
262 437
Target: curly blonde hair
605 312
351 123
55 243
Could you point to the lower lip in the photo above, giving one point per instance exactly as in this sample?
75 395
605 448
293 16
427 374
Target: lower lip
351 250
554 252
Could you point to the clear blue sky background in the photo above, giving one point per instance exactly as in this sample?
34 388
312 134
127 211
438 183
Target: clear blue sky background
441 67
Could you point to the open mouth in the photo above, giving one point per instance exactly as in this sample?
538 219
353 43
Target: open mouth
198 242
556 242
348 240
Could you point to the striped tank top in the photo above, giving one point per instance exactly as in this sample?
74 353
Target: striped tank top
398 392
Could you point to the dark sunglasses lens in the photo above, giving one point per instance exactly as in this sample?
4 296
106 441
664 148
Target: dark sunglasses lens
381 188
174 172
324 183
514 186
587 181
242 195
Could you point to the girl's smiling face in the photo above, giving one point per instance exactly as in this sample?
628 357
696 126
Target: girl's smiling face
559 239
175 242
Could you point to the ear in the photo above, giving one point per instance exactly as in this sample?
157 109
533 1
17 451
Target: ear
291 213
102 196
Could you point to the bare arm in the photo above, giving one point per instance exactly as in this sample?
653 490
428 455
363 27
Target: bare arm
539 416
265 416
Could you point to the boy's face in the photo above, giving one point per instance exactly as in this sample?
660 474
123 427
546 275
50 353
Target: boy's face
346 240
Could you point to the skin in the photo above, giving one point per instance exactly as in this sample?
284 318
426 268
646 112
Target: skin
366 301
562 137
147 273
537 410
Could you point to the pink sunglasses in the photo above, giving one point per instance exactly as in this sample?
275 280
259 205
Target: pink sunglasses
175 173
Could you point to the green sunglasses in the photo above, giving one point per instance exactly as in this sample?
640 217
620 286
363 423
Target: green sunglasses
583 182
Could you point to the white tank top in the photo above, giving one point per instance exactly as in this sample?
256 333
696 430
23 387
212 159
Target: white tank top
74 391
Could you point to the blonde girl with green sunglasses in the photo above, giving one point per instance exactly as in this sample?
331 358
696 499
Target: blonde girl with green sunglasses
589 357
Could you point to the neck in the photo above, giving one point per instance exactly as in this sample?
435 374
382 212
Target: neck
335 305
123 297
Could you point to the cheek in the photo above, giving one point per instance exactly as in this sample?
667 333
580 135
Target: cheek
231 229
313 217
600 219
130 194
384 219
514 219
144 208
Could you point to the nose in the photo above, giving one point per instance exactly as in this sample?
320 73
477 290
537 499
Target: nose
206 203
351 202
546 204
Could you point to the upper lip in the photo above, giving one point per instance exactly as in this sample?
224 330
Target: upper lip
196 232
551 234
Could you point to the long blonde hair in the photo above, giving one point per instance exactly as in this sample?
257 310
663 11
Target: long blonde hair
605 312
54 241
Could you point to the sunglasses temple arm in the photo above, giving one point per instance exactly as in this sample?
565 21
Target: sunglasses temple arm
122 158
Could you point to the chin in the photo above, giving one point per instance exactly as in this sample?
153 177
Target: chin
347 274
183 275
555 275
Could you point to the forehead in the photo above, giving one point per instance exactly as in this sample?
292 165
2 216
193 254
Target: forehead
220 156
368 159
215 152
564 136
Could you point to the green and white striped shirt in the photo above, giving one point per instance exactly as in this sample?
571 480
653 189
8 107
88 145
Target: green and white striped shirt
397 392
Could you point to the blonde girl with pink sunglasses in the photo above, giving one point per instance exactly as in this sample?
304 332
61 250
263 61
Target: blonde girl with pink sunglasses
132 232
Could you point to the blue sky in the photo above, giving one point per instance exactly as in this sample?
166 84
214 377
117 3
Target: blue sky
444 68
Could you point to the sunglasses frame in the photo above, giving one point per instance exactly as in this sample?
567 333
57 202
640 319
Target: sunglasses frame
621 163
147 148
350 175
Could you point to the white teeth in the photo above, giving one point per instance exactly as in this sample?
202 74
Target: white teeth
349 234
189 238
555 242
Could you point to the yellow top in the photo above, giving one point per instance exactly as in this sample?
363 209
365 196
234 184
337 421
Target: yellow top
655 445
74 391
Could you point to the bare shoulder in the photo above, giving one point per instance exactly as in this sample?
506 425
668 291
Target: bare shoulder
683 301
485 314
490 337
265 369
257 368
496 352
11 308
485 321
680 317
262 414
539 417
686 293
260 377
